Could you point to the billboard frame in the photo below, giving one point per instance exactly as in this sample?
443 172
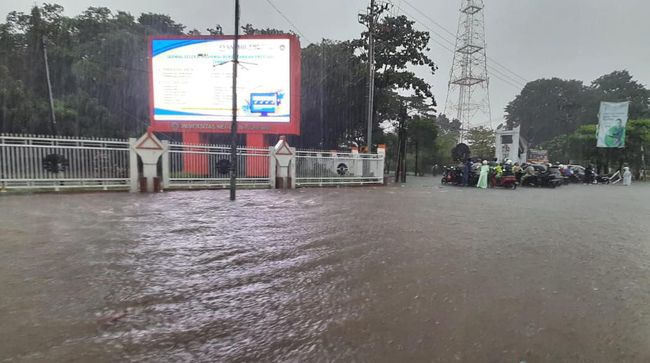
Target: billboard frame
223 127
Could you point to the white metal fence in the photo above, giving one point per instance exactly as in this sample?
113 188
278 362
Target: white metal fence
208 166
57 163
30 162
316 168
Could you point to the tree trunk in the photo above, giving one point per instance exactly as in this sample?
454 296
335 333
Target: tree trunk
417 154
398 161
403 179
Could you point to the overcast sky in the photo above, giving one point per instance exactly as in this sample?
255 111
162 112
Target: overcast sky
577 39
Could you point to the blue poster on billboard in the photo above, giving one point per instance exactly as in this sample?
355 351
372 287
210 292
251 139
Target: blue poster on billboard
192 80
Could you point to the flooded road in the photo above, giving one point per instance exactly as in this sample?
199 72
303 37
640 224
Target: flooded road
382 274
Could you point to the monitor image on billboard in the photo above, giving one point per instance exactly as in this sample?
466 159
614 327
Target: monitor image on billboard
191 82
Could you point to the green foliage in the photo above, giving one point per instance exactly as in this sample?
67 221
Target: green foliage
618 86
249 29
333 95
399 49
481 141
158 24
548 108
97 64
580 147
443 146
448 126
422 133
99 73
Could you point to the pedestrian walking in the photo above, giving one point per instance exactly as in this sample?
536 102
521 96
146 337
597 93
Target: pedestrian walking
466 170
483 176
627 176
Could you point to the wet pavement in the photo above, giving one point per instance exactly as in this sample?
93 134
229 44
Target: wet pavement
420 273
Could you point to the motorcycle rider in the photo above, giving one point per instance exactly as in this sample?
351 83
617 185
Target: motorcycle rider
528 173
589 174
516 169
508 169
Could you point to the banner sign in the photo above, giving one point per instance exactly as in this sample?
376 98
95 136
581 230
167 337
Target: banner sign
191 77
612 120
538 156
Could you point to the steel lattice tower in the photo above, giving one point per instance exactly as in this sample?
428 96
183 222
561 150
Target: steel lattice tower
468 93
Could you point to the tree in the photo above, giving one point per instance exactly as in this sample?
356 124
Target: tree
619 86
333 95
482 142
217 30
159 24
546 108
415 127
97 65
399 48
447 126
580 147
249 29
422 133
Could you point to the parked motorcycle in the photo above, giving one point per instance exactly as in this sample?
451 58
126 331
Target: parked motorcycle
452 175
543 179
505 181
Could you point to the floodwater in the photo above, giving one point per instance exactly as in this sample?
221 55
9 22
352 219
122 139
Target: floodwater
420 273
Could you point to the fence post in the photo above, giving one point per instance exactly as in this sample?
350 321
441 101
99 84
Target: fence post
272 166
292 169
381 161
357 163
133 166
165 164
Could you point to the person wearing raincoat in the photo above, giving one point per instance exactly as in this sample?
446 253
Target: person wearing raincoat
627 176
483 176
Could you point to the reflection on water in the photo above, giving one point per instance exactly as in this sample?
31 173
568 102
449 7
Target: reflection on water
372 274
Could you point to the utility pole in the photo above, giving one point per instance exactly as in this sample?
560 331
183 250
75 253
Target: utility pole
643 167
400 168
370 19
371 72
49 85
233 127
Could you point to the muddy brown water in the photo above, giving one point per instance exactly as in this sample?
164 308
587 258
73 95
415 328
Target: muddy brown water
420 273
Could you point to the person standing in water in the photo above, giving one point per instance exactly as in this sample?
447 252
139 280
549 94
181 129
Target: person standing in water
627 176
483 176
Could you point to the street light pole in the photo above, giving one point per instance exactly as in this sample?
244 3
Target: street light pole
49 86
371 72
233 127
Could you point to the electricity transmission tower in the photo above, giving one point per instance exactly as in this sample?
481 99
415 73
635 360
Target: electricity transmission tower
468 93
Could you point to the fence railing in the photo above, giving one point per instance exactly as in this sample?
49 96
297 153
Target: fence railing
205 166
57 163
315 168
30 162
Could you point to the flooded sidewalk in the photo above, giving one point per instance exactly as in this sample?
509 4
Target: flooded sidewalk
379 274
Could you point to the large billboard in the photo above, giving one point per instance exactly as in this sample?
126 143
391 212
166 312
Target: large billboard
191 84
612 120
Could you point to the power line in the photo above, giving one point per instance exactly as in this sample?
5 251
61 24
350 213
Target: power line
295 28
494 72
454 36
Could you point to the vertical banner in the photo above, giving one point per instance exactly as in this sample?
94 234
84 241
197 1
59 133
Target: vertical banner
612 120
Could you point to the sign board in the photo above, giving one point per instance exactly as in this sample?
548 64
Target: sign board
538 156
612 121
191 84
